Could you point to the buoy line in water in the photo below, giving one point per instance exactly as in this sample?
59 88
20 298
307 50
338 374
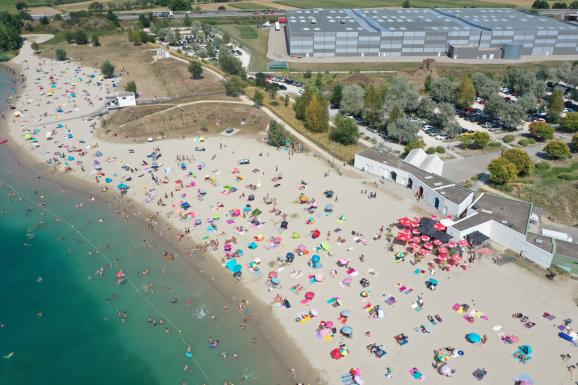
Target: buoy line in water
107 259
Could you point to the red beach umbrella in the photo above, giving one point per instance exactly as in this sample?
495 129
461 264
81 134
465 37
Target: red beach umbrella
452 244
416 232
428 246
439 227
309 295
272 274
425 238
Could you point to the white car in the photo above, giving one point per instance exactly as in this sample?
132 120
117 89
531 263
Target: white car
440 137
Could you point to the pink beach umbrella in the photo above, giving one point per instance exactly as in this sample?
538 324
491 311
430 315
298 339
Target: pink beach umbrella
439 227
443 250
425 238
456 258
416 239
442 257
406 231
423 251
414 224
272 274
416 232
452 244
310 295
428 246
462 242
434 217
415 247
437 242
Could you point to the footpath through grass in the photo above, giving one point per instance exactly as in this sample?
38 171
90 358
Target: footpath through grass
392 3
286 113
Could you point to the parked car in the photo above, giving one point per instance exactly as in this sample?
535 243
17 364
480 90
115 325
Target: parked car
244 161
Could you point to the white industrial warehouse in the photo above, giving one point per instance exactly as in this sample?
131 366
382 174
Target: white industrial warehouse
464 33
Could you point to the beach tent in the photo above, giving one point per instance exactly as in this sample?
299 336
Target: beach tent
233 266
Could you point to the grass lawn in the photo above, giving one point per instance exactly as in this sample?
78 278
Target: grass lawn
391 3
8 5
249 6
548 189
287 114
6 56
254 39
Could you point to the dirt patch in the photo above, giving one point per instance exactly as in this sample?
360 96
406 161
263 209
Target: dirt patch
201 118
164 77
126 115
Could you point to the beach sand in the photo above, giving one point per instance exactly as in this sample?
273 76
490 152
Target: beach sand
279 178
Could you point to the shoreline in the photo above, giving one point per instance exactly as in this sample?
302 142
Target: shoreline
268 325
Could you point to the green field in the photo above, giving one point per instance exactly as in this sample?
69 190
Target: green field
249 6
390 3
256 40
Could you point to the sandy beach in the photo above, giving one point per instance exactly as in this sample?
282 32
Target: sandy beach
355 293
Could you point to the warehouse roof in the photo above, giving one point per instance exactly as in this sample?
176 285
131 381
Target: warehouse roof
507 19
388 20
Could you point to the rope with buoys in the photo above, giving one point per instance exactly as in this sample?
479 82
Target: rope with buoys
107 259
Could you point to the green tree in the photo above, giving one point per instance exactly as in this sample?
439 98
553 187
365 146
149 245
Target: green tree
446 119
541 130
476 140
302 102
484 85
261 79
44 20
557 149
143 21
276 135
540 4
502 171
21 5
234 86
406 4
60 54
130 87
403 130
528 102
80 37
427 83
426 109
231 65
187 21
10 27
316 115
466 93
95 41
179 5
110 16
395 114
559 6
226 38
345 130
195 69
372 103
352 99
556 104
107 69
444 90
574 5
569 123
520 159
95 7
258 98
336 95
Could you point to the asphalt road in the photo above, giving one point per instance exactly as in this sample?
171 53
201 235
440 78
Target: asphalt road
204 14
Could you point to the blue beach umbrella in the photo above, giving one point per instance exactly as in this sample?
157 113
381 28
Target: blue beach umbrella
347 330
345 313
473 338
108 180
122 186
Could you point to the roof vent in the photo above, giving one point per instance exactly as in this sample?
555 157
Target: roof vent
504 222
486 211
313 21
342 21
428 177
539 241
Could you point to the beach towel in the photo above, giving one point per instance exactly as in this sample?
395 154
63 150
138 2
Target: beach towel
390 300
416 307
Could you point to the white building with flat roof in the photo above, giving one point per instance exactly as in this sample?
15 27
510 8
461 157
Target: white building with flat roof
120 100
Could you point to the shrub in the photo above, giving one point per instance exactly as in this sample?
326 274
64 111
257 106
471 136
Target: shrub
520 159
502 170
60 54
495 144
557 150
107 69
541 130
345 130
430 150
542 166
524 142
440 149
568 176
475 178
508 138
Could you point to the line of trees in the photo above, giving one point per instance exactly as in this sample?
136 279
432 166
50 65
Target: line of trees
10 28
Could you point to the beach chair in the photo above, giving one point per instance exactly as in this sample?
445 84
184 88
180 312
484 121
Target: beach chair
347 379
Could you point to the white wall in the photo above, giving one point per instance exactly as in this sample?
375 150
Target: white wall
509 239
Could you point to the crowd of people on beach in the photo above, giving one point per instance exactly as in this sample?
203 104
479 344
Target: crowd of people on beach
280 228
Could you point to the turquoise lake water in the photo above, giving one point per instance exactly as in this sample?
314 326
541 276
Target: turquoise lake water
61 323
